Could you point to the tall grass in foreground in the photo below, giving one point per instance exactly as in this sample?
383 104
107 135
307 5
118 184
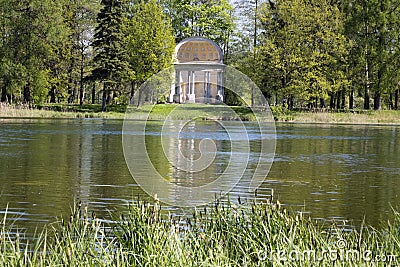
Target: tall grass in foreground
260 234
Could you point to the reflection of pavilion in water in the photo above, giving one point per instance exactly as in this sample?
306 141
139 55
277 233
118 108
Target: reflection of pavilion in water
199 72
183 172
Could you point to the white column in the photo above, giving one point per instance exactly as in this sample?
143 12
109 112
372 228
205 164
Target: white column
220 88
208 84
178 82
177 98
193 82
189 83
205 85
172 92
190 93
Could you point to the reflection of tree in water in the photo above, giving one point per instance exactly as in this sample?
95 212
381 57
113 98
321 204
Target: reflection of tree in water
341 172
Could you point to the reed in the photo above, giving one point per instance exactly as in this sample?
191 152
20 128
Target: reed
342 116
251 234
69 112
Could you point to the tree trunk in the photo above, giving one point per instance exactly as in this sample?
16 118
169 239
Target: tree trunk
366 99
3 94
109 97
81 84
254 46
132 97
139 98
94 94
152 96
351 99
381 60
396 99
81 93
332 101
27 94
322 102
290 102
104 101
377 101
71 97
53 94
343 104
338 98
366 84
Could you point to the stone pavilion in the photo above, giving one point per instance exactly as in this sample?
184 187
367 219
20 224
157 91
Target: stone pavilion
199 72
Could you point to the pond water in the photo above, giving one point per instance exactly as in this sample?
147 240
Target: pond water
342 172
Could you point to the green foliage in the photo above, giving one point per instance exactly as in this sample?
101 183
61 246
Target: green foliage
245 38
111 62
12 76
303 52
374 27
299 53
210 19
32 33
110 58
150 42
282 113
77 53
40 87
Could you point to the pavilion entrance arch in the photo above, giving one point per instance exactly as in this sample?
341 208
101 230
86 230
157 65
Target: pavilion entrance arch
199 72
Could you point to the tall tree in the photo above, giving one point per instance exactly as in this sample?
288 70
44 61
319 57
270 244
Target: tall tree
245 38
374 27
111 62
150 41
34 33
302 52
80 17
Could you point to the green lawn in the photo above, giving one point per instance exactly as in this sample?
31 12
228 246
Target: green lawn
201 111
192 111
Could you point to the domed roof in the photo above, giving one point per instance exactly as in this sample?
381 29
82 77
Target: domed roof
198 49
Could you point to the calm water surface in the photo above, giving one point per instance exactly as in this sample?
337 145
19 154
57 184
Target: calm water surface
338 172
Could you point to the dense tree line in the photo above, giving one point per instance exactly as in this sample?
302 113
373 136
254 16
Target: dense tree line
323 53
302 53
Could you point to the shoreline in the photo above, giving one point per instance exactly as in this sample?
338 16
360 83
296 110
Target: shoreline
160 112
155 120
376 118
341 123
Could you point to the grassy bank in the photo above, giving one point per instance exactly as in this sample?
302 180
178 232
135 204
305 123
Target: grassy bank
157 112
260 234
189 111
343 116
61 111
